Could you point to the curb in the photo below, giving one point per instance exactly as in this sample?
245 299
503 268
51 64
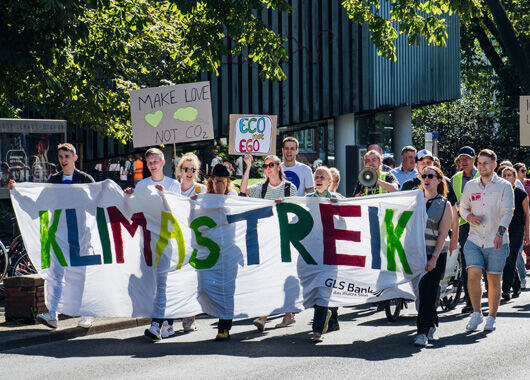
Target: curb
45 336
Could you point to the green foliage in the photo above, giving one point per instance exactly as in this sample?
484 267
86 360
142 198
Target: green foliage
80 61
413 18
477 120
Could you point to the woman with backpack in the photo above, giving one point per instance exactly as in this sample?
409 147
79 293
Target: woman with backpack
275 187
439 216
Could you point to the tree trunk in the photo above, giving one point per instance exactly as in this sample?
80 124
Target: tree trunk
514 50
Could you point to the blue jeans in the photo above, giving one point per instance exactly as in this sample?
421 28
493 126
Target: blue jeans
489 259
521 268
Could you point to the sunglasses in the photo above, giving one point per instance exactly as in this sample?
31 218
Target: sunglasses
430 176
271 165
193 170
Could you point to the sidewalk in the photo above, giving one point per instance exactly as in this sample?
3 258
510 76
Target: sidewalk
16 335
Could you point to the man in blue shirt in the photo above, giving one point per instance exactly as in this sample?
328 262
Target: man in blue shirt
407 169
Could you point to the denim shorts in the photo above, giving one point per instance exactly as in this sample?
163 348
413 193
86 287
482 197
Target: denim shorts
490 259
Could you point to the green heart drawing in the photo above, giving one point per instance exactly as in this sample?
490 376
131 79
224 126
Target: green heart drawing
153 119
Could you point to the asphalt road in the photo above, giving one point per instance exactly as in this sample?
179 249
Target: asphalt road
367 346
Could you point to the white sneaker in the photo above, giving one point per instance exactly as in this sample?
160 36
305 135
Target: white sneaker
259 323
430 334
188 324
167 330
474 321
317 337
48 319
86 322
153 332
421 340
286 321
490 324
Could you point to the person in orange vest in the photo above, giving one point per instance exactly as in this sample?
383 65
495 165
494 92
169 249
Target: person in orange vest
138 169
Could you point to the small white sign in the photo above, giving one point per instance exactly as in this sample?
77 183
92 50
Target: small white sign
253 134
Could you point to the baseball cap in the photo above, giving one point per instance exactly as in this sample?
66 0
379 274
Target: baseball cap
220 170
466 151
424 153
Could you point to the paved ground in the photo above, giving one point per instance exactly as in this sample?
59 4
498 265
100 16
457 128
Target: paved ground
367 346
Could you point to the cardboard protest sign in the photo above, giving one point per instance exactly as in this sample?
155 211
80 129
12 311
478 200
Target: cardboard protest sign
524 118
171 114
253 134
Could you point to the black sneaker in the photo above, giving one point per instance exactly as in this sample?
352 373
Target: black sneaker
506 296
516 293
333 325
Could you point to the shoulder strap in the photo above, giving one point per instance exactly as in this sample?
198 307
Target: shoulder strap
287 189
264 188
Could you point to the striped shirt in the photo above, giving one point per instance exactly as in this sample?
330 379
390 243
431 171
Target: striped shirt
273 192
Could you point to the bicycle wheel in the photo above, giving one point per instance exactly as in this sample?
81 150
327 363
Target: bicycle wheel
393 308
4 261
455 287
21 265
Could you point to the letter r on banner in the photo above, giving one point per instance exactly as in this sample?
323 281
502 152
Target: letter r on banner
331 235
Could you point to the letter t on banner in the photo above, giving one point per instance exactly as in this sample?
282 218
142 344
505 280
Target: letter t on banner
252 217
331 235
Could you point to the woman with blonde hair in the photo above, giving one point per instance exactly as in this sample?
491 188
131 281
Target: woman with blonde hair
335 176
188 175
324 318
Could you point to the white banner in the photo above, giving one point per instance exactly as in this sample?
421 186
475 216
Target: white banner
154 254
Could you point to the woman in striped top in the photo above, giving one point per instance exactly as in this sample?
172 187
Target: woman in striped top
275 187
439 215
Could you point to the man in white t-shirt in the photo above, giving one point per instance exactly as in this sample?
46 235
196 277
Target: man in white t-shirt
239 167
215 160
297 173
155 163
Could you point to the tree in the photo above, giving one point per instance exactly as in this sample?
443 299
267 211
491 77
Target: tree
501 27
99 53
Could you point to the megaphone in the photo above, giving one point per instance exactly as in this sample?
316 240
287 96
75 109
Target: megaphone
368 176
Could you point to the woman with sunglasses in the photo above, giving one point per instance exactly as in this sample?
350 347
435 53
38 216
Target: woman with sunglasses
324 319
519 233
275 187
188 175
439 216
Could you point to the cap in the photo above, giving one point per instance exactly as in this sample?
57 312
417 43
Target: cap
220 170
424 153
466 151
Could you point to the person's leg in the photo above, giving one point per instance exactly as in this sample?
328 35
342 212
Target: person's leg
521 267
463 232
495 260
319 318
508 273
428 289
224 324
333 324
475 266
494 293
